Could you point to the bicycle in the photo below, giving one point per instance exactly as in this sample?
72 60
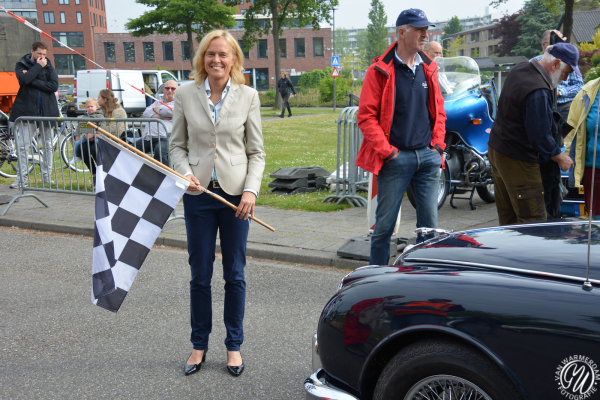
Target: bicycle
67 153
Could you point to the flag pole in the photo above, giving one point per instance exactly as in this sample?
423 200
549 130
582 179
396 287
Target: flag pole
147 157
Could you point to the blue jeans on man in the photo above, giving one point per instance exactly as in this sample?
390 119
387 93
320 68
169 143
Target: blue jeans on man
204 215
77 145
158 146
421 170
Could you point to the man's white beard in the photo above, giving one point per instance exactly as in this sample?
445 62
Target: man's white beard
555 76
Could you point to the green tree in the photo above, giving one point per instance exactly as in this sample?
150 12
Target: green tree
181 16
376 30
558 7
280 13
453 26
342 42
456 46
535 19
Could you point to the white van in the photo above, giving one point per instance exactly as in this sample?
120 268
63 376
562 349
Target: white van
88 83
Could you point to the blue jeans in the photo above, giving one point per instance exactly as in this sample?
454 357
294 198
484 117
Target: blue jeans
203 216
77 146
419 168
160 147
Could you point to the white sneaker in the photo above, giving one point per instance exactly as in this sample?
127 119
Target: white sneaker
47 180
74 160
16 184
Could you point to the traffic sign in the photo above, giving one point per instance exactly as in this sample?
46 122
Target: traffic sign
335 73
335 61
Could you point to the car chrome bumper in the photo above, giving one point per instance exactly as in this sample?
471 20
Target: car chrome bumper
317 389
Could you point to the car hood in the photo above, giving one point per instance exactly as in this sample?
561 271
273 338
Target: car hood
553 248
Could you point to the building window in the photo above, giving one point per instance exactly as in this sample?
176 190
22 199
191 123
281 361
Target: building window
185 50
148 51
168 51
63 17
282 48
490 34
246 53
475 52
318 49
71 39
299 47
44 1
63 2
48 17
78 14
68 64
262 48
77 2
129 48
109 52
102 5
243 12
474 37
241 2
95 23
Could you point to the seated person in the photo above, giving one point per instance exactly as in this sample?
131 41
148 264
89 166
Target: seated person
154 138
110 108
91 107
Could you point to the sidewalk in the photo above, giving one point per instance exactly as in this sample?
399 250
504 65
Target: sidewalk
300 237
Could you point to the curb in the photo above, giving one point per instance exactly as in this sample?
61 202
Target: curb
254 250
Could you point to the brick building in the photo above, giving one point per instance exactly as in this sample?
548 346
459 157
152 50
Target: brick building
73 22
302 50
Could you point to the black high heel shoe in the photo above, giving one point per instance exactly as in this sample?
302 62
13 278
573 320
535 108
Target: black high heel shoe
193 368
237 370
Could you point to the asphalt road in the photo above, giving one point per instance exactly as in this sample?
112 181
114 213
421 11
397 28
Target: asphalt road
55 344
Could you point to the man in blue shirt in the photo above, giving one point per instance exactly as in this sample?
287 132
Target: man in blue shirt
567 90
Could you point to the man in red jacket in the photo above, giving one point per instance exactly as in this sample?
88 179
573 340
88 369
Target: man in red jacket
402 118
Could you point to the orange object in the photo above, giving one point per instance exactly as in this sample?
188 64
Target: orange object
476 121
9 86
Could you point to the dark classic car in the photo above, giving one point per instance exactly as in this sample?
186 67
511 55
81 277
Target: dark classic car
495 313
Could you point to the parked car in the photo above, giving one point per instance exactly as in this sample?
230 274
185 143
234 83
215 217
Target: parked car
496 313
65 91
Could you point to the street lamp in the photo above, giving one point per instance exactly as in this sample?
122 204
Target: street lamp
333 33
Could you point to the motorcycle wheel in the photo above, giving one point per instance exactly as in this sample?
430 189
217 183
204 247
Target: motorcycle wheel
486 193
444 185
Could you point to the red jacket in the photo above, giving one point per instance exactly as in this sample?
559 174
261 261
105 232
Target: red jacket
376 109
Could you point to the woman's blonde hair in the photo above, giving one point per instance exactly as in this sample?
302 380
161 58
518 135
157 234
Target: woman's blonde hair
199 73
284 74
111 102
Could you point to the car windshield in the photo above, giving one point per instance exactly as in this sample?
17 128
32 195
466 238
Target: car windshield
457 75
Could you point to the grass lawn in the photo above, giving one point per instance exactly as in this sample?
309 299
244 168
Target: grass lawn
302 142
272 113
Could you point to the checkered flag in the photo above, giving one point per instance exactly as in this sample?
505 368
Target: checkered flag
134 199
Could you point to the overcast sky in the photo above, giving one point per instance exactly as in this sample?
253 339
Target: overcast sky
350 13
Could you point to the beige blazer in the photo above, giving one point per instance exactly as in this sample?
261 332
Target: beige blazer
233 145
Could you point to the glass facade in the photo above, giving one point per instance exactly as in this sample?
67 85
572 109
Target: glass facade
129 48
68 64
167 51
148 51
109 52
300 48
318 50
71 39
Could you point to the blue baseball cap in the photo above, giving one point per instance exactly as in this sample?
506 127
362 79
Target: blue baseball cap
414 17
567 53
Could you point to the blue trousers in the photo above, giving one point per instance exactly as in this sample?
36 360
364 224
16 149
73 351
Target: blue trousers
421 170
205 215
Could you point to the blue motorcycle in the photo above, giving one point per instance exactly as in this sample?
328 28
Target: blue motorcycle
470 109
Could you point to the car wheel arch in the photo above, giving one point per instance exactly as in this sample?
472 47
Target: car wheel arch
388 347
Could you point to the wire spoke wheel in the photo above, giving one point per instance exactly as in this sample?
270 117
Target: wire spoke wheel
445 387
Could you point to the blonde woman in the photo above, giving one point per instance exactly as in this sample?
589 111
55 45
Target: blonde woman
217 142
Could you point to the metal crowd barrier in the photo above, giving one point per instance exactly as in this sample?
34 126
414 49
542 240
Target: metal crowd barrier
61 170
349 178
